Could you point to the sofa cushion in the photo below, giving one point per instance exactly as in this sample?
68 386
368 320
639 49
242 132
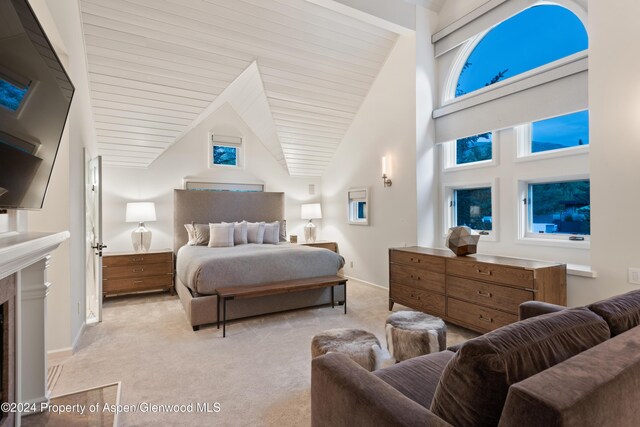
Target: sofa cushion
474 385
417 378
621 312
595 388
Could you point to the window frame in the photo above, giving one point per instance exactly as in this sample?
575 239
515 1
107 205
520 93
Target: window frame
524 136
225 141
527 237
449 212
449 156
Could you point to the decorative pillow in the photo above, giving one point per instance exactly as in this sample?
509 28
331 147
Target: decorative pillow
283 230
621 312
221 235
198 234
239 232
474 385
255 232
272 233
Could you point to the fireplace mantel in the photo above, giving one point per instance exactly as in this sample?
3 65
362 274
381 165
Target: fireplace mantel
25 257
20 250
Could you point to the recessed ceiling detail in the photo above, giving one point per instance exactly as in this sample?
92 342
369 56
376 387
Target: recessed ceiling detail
155 67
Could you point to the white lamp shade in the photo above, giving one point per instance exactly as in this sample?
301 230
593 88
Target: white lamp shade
311 211
141 212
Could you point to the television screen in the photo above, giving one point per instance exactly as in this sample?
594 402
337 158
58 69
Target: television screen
35 96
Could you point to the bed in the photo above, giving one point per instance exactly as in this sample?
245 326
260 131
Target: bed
200 270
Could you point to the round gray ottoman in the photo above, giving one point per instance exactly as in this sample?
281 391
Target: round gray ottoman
361 346
412 333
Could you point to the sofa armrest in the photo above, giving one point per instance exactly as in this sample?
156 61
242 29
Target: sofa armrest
536 308
345 394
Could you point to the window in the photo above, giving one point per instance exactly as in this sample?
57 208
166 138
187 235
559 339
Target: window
358 206
12 94
475 148
570 130
560 210
225 151
536 36
472 206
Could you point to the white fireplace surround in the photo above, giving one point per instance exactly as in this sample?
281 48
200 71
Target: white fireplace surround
27 255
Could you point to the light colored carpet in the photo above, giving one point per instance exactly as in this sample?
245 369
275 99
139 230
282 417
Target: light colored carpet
53 373
259 374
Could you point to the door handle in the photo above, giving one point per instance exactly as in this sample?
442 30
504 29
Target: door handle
99 247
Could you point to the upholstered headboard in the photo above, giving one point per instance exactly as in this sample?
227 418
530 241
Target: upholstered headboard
203 207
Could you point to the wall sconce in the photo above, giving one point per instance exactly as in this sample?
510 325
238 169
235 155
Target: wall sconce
386 181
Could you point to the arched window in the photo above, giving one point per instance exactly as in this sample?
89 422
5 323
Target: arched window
534 37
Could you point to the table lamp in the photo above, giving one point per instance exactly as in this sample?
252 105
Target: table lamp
140 212
310 211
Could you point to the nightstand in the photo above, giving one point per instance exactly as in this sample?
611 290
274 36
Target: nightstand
129 272
332 246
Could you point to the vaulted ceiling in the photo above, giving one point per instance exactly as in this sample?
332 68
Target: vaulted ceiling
156 67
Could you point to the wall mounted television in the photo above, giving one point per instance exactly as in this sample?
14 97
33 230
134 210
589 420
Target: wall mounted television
35 97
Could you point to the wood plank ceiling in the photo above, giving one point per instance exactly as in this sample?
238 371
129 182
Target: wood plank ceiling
155 66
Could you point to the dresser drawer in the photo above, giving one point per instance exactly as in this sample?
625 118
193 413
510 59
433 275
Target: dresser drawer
481 318
491 273
416 278
495 296
136 270
136 284
144 258
418 299
427 262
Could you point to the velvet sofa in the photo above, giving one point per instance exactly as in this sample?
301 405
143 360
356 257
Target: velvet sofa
555 367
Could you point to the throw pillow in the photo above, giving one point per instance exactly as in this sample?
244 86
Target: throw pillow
198 234
255 232
474 385
272 233
283 230
239 232
221 235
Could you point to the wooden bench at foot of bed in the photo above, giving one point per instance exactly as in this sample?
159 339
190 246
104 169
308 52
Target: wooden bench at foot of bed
275 288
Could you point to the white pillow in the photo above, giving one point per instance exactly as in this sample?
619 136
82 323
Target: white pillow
239 232
272 233
220 235
255 232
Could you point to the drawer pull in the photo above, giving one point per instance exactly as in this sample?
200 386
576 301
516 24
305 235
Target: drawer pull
138 270
137 259
484 319
415 260
486 295
484 273
415 277
414 296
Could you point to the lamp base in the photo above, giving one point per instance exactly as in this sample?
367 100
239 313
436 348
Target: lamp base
310 232
141 238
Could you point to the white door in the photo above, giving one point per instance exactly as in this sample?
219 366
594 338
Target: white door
94 244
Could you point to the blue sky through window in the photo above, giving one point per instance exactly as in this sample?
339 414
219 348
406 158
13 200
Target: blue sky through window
223 155
535 37
565 131
11 96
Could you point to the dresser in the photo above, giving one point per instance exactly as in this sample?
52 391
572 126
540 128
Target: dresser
124 273
479 292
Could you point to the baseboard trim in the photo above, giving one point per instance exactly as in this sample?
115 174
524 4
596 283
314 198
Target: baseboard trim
367 283
56 356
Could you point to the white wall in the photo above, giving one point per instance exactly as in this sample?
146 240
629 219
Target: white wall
64 204
384 126
188 157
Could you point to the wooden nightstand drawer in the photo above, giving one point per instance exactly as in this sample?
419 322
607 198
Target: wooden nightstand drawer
137 270
491 272
332 246
477 317
114 286
429 302
427 262
417 278
495 296
137 259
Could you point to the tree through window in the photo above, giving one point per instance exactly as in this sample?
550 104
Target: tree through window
534 37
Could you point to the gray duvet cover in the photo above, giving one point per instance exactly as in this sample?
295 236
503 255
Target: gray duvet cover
205 269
